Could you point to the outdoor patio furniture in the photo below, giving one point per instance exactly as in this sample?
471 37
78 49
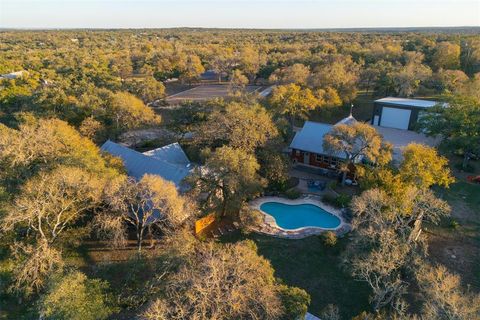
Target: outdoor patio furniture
322 185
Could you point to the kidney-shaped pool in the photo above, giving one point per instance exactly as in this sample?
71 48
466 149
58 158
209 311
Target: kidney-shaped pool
296 216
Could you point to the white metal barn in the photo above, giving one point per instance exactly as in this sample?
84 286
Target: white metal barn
399 113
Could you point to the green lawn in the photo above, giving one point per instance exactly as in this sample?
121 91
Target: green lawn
310 265
464 191
463 239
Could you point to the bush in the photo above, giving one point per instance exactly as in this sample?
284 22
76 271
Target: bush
340 201
469 167
250 219
76 297
329 238
295 302
343 200
454 224
332 184
330 312
293 194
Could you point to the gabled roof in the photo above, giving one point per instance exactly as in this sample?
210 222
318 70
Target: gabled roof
310 138
348 120
172 153
138 164
408 102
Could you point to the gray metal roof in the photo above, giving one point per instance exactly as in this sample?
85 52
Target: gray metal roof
310 138
408 102
138 164
172 153
348 120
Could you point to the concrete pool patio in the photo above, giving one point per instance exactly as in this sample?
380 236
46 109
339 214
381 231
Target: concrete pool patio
271 228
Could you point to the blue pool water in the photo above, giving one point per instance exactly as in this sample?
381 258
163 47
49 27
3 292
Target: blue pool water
297 216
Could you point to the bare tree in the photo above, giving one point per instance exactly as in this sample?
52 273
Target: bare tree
386 243
34 264
220 282
381 269
444 297
52 202
150 202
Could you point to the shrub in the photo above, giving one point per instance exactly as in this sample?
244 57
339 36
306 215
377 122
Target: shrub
343 200
293 194
295 302
468 168
332 184
329 238
76 297
340 201
250 219
330 312
454 224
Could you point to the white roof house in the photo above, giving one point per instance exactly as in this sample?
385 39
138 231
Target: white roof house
400 113
14 75
408 102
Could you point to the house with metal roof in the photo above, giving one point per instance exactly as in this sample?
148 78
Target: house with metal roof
306 148
169 162
399 113
172 153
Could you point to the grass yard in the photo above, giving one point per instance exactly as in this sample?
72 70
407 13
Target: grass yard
312 266
455 242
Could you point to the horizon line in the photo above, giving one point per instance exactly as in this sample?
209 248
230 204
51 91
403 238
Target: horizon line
234 28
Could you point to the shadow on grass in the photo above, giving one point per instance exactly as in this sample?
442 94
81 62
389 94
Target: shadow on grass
312 266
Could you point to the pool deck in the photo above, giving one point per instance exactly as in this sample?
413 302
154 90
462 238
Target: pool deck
270 226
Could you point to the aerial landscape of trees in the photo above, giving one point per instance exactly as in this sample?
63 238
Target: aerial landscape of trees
80 239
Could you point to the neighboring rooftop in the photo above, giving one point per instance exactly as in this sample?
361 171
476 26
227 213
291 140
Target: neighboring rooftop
408 102
265 93
138 164
14 75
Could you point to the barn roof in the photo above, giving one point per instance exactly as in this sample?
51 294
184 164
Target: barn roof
138 164
408 102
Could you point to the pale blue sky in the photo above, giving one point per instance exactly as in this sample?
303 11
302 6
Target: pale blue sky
237 13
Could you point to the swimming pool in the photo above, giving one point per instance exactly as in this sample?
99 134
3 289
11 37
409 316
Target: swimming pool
297 216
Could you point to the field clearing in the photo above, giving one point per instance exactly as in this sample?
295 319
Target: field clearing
205 92
314 267
455 242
